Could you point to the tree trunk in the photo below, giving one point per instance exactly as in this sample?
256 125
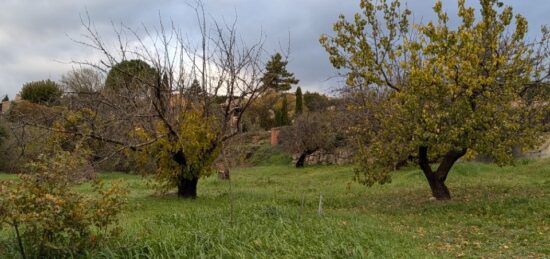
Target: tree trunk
437 179
187 188
301 160
439 189
187 181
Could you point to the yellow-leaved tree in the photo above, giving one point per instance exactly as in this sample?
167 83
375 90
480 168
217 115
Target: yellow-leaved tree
197 136
434 92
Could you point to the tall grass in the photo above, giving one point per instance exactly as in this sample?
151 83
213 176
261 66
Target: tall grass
268 155
495 212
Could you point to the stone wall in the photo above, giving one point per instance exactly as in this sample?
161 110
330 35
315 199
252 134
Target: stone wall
339 156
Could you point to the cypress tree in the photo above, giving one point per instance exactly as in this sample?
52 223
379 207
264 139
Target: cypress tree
281 115
299 101
284 112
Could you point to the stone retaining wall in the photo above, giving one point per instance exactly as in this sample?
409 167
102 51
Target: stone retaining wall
340 156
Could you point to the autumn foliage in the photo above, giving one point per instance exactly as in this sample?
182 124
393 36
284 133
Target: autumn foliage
49 217
436 92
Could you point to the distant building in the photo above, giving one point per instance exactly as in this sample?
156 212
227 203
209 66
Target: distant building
5 107
275 136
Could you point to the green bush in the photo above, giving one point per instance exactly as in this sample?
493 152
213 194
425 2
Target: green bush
41 92
50 218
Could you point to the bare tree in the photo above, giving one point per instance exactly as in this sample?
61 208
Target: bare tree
82 81
309 133
157 114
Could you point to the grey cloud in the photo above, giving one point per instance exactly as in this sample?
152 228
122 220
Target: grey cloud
34 45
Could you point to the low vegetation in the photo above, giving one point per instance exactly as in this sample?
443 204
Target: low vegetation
272 211
51 219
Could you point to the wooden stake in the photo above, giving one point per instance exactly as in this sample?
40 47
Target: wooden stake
320 211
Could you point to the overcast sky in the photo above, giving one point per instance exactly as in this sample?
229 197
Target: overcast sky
35 35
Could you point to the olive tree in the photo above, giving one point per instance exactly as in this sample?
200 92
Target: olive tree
436 92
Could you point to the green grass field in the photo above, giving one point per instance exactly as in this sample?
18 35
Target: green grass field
495 212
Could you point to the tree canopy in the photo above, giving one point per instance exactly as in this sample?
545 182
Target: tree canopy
153 108
132 75
41 92
309 132
316 102
83 81
438 92
276 76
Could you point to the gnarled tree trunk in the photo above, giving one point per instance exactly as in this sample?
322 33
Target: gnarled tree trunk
439 189
437 178
302 159
187 181
187 187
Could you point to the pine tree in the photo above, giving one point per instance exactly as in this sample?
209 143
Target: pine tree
299 101
6 98
194 91
276 76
